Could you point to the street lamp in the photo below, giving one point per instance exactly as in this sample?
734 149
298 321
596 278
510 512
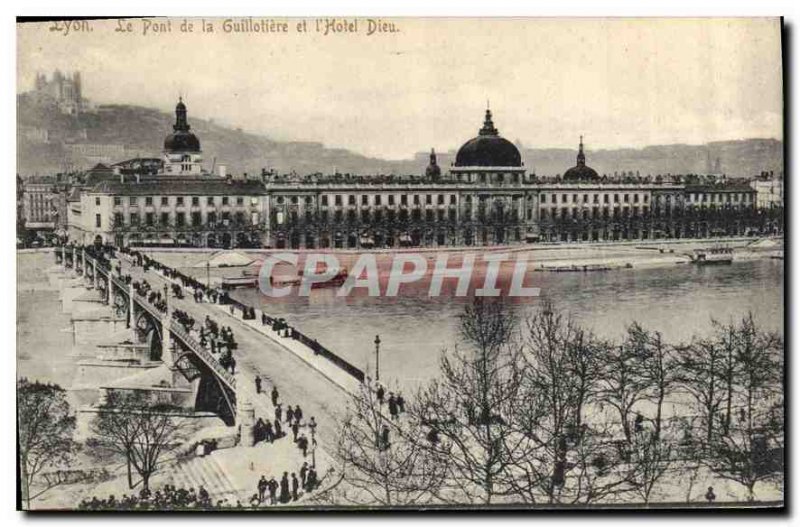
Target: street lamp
377 357
208 274
313 426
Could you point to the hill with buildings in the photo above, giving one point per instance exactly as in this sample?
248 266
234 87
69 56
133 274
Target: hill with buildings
51 139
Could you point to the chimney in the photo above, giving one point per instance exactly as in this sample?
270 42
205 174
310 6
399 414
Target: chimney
222 171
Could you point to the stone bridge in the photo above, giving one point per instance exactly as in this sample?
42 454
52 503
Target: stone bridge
166 339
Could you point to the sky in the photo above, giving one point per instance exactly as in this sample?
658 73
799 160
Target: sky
618 82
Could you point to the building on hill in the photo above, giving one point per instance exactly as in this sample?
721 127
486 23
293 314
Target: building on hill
64 89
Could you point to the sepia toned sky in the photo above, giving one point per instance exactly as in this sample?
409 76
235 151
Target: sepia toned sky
619 82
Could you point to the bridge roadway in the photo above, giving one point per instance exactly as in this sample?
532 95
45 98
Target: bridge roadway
297 382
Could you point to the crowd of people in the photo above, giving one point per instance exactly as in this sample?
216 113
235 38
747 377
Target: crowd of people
272 492
169 497
396 403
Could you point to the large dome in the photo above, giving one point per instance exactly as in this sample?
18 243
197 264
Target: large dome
181 139
580 172
488 149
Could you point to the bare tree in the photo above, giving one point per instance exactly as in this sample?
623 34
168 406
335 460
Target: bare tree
44 434
571 458
380 459
659 369
623 384
469 408
651 457
749 449
141 431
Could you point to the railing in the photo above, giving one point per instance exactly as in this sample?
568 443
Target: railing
204 355
150 309
319 349
120 284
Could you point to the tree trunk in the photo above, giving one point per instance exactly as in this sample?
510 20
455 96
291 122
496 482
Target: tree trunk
130 473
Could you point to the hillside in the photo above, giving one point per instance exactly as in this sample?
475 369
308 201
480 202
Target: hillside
141 132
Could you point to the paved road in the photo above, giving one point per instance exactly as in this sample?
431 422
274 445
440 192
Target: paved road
297 382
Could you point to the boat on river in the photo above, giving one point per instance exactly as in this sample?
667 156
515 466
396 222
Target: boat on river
713 256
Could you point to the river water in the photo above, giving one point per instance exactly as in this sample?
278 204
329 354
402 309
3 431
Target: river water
678 301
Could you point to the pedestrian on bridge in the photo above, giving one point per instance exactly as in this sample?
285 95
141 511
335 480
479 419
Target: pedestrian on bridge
278 412
272 485
311 481
232 364
295 487
278 429
268 432
274 396
392 407
258 384
298 413
262 488
302 443
285 497
303 474
380 394
289 415
295 430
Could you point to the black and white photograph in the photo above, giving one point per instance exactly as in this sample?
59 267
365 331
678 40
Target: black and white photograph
350 263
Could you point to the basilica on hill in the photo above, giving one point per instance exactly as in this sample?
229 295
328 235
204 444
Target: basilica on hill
485 198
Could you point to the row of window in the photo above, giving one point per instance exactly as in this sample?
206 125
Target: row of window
720 198
390 215
594 213
338 199
595 198
195 219
179 200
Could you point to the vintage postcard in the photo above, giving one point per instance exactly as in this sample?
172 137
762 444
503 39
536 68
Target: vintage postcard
274 264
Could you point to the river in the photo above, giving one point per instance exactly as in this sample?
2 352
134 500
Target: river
678 301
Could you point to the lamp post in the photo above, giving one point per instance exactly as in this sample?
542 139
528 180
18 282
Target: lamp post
313 426
208 274
377 357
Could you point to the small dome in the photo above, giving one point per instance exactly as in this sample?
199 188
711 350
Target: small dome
488 149
181 139
580 172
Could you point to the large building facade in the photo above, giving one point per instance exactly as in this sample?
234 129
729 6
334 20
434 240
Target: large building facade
485 198
170 201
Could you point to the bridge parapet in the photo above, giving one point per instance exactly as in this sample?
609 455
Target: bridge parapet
204 355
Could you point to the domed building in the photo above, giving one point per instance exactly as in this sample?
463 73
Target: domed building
182 154
581 173
488 158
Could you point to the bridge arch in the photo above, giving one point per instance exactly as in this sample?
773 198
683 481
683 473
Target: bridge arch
149 331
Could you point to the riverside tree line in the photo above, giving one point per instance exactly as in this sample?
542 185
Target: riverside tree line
543 411
533 411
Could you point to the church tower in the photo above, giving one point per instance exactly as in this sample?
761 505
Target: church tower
182 154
